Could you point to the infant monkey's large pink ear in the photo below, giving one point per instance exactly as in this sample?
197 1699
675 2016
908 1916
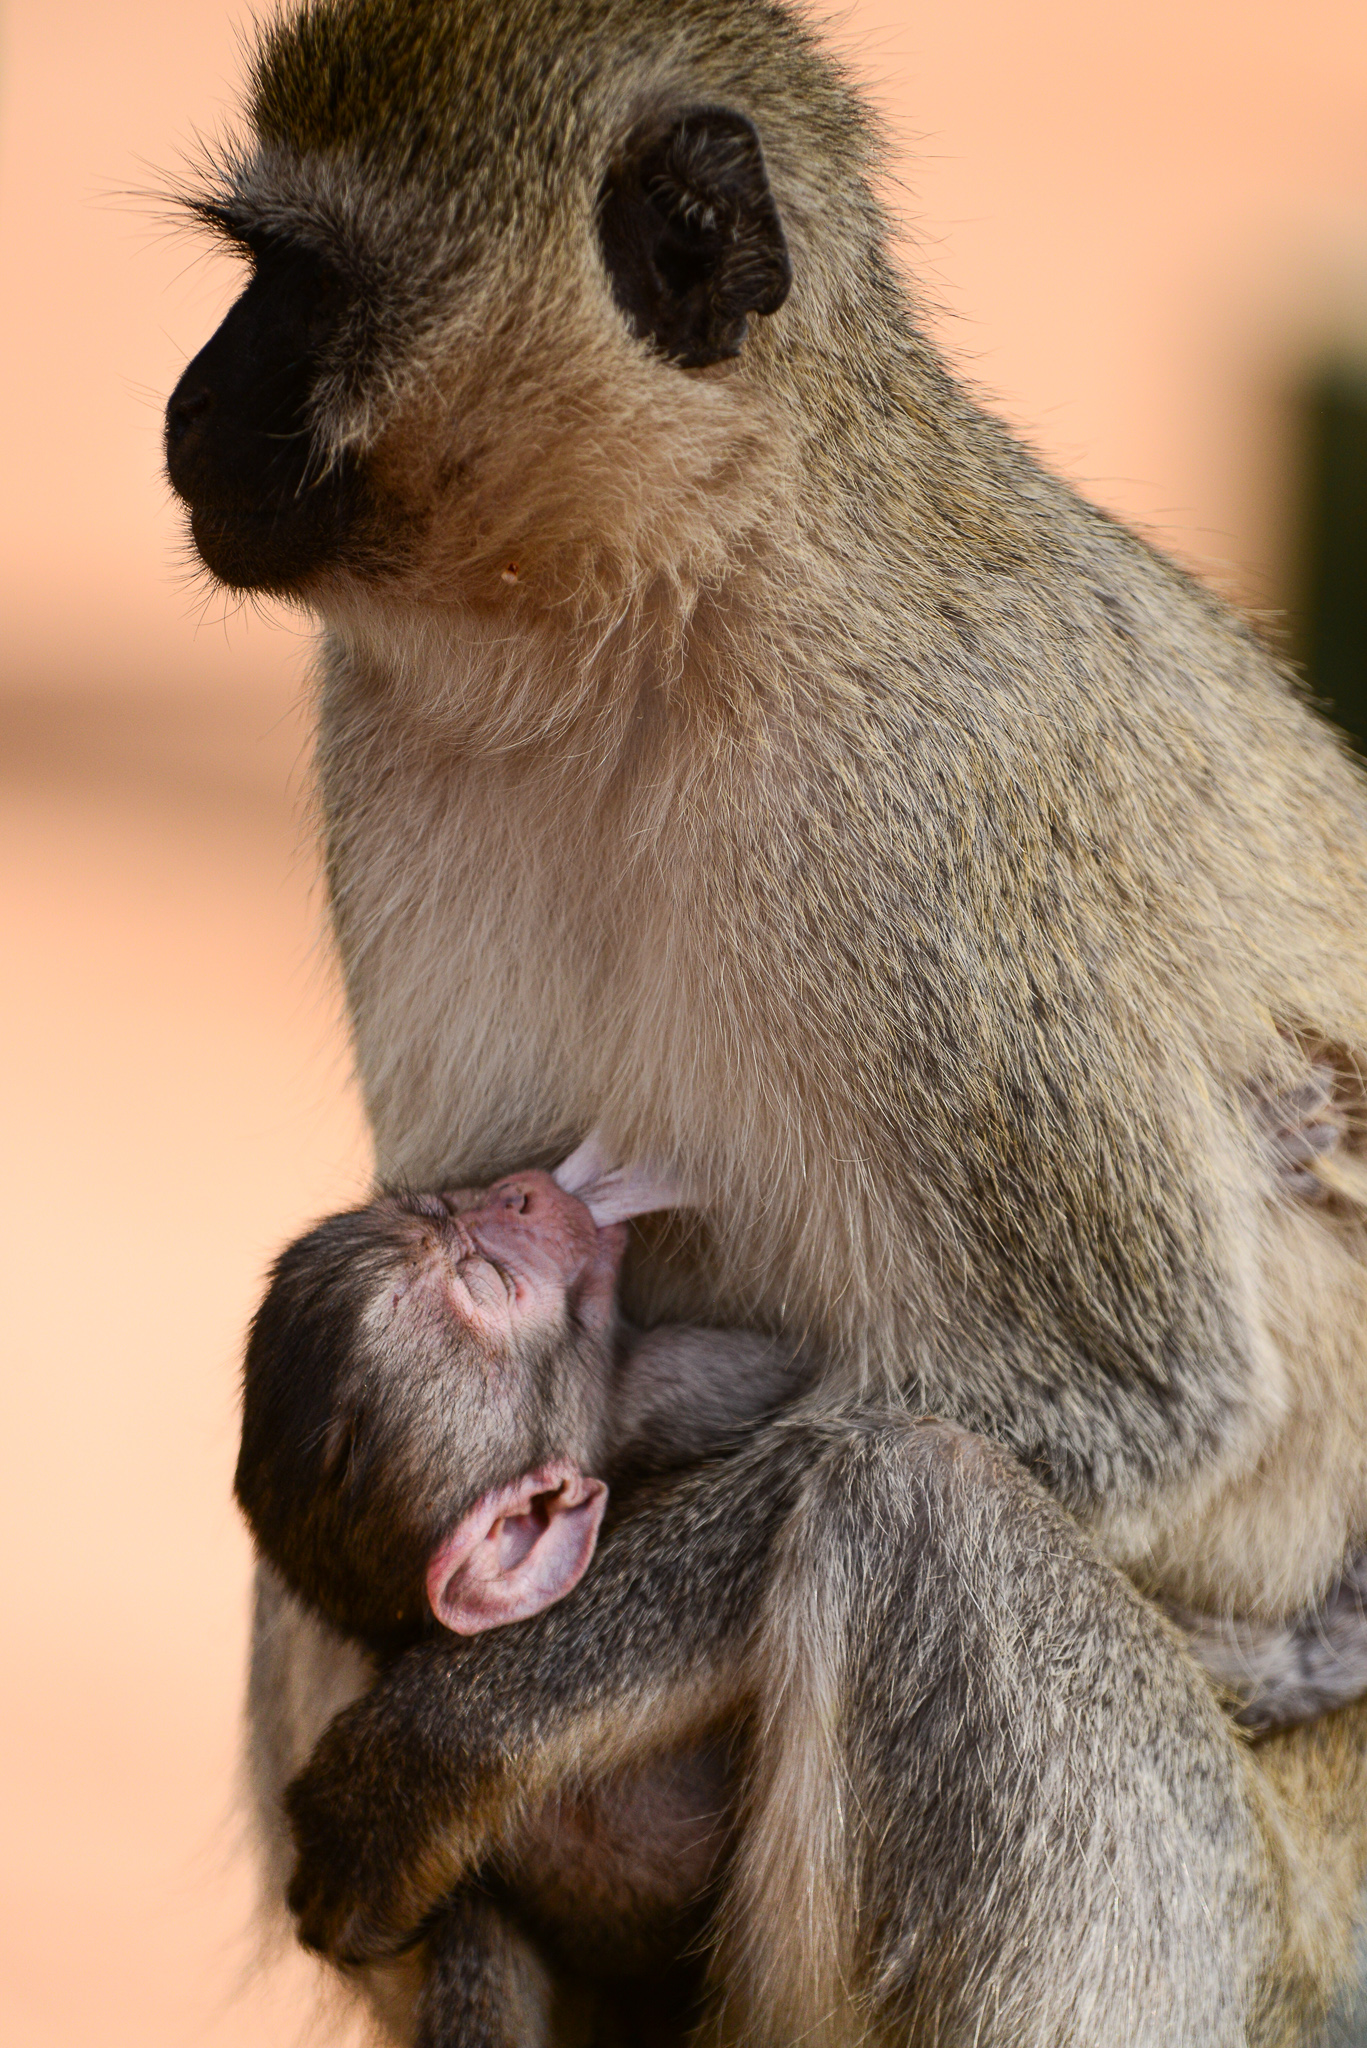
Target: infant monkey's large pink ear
519 1549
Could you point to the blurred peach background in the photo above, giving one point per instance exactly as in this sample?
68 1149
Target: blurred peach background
1137 228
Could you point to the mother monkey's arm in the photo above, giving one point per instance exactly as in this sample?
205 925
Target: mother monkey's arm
958 1713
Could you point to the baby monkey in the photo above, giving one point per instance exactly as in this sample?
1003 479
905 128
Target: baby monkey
438 1392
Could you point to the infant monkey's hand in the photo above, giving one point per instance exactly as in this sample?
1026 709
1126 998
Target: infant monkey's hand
369 1814
349 1895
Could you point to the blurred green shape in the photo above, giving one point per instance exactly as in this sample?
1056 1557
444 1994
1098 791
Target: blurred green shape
1333 608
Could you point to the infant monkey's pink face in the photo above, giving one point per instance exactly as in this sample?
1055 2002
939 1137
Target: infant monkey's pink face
503 1264
515 1257
514 1260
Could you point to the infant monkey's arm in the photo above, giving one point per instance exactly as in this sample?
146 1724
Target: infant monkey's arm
683 1393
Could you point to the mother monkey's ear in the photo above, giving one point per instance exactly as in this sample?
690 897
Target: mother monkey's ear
691 235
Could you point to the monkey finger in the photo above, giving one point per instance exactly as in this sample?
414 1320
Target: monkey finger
347 1894
341 1911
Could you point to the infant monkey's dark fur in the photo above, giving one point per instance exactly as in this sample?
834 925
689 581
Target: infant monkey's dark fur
436 1388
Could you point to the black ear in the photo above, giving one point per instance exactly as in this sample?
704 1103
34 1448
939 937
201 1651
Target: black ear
691 235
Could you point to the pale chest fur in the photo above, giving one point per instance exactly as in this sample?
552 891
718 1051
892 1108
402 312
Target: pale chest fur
528 957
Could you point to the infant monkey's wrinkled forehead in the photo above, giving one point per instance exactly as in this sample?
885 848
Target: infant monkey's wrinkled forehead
503 1262
415 1354
493 1265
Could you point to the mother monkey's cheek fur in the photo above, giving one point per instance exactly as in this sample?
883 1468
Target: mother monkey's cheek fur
746 747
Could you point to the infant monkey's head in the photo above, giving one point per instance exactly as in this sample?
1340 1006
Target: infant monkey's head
424 1398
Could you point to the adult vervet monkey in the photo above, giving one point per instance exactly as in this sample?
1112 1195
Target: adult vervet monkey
731 737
